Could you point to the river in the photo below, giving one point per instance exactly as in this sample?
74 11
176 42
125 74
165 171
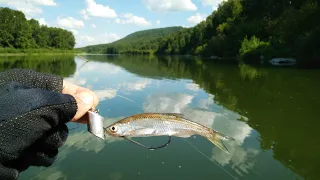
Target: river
272 112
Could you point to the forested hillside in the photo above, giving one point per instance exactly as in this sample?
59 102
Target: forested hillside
16 32
250 28
139 42
245 29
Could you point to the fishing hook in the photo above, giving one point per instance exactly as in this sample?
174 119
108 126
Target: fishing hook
150 148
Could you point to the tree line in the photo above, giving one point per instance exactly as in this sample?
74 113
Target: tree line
16 32
240 29
140 42
249 29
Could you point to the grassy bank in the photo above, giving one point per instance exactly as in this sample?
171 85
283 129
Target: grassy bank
48 51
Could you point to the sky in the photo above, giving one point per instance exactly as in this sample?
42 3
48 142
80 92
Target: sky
105 21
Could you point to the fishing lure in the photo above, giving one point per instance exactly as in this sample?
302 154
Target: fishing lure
95 127
157 124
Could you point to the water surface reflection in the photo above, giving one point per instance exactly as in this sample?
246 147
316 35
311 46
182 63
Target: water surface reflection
270 112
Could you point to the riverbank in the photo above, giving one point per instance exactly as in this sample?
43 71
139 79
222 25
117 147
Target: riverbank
23 52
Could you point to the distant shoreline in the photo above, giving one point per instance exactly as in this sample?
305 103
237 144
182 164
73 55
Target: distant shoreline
24 52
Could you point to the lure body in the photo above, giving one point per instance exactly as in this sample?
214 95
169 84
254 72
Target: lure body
164 124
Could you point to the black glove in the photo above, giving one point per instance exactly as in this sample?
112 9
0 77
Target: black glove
33 113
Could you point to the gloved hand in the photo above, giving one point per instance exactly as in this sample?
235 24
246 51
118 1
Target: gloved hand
34 110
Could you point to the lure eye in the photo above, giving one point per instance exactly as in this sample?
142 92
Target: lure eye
113 128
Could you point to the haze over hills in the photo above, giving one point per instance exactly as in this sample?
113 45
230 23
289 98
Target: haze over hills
144 41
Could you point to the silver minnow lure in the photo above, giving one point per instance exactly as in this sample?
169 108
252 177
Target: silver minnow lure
164 124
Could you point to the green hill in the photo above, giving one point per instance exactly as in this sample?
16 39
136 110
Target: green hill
145 41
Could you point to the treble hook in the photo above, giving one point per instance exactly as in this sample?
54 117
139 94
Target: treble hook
150 148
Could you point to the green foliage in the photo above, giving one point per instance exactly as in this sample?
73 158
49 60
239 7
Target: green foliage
277 28
62 65
7 51
141 42
18 32
250 73
251 49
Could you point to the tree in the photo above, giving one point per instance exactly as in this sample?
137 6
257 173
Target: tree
18 32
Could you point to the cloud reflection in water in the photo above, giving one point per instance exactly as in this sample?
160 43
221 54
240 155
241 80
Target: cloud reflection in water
51 173
207 113
106 94
226 122
136 86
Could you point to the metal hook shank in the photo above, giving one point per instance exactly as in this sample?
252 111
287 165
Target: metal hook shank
95 124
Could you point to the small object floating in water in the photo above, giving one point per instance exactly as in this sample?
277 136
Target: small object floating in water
164 124
282 61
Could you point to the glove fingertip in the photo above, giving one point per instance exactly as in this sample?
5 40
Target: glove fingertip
8 173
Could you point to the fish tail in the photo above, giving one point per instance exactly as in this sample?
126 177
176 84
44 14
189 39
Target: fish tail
217 139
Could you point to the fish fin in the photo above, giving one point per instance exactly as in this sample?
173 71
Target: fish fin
185 136
174 114
217 140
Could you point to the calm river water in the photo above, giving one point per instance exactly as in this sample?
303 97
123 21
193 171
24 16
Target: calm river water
273 113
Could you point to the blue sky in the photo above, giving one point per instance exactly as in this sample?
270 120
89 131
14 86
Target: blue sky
104 21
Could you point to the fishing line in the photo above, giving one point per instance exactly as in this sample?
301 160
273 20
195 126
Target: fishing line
148 147
210 159
86 61
170 141
152 148
128 100
74 127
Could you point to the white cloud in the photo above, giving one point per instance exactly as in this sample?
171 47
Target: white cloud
77 79
196 19
29 7
158 22
106 94
170 5
213 3
42 2
97 10
51 173
167 102
84 40
70 22
100 68
85 141
75 32
206 103
93 26
42 21
84 14
240 159
132 19
193 87
136 86
186 26
111 37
